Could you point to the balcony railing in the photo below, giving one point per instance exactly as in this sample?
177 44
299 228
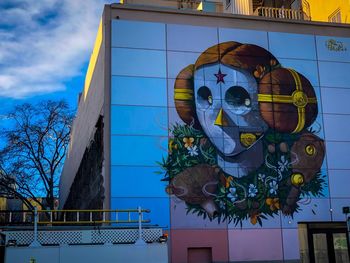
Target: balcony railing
282 13
73 217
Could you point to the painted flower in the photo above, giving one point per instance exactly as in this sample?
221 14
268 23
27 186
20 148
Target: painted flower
228 181
261 177
273 187
260 71
172 146
188 142
254 218
283 164
252 191
274 203
193 151
222 205
232 195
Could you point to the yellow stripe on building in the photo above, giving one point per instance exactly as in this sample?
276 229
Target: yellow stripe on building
93 60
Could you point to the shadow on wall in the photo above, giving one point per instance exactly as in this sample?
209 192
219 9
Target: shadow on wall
87 191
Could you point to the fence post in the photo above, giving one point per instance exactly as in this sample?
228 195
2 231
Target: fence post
140 241
35 242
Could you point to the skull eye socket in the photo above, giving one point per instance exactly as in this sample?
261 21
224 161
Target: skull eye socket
238 97
204 96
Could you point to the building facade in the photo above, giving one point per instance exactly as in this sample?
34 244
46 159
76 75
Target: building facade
330 11
232 130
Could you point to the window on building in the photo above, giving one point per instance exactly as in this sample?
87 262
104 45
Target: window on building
306 9
335 17
228 3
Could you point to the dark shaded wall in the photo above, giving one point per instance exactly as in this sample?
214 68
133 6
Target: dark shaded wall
87 191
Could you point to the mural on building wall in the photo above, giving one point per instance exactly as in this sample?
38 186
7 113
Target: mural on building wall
247 149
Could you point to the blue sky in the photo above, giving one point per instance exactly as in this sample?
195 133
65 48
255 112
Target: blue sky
45 46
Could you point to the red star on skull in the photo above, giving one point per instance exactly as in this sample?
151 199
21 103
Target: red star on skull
220 77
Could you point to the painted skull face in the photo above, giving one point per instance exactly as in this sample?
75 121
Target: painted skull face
227 107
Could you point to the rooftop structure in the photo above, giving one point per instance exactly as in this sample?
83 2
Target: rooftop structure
336 11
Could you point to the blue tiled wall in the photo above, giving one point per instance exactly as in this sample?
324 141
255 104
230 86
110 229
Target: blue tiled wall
146 59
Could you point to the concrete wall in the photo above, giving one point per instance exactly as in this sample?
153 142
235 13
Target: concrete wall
150 253
89 110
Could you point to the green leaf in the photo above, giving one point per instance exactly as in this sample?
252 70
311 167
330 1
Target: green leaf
263 216
259 220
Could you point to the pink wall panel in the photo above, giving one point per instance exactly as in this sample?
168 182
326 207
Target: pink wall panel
181 240
178 213
255 244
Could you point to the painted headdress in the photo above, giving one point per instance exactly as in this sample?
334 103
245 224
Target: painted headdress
282 93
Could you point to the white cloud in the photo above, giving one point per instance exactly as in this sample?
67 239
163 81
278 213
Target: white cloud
44 43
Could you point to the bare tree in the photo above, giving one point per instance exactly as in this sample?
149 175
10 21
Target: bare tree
34 146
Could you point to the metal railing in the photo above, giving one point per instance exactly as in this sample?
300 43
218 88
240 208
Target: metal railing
73 217
283 13
59 217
